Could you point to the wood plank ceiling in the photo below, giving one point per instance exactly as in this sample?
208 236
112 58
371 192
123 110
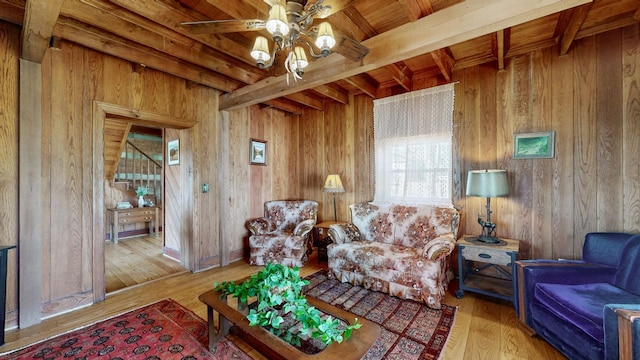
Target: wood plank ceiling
413 43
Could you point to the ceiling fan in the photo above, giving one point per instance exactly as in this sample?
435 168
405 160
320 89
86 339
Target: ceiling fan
291 25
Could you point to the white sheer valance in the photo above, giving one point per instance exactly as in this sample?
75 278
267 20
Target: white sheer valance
413 135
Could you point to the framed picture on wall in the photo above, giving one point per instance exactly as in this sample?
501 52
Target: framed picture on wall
533 145
258 152
173 152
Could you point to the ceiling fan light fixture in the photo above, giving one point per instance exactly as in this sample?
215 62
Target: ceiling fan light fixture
277 24
325 40
260 52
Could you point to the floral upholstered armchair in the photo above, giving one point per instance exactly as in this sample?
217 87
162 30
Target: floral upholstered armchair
282 235
400 250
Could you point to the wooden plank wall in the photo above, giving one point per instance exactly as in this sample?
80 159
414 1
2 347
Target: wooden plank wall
73 79
589 99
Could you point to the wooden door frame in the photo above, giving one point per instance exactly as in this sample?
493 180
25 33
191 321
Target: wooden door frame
101 111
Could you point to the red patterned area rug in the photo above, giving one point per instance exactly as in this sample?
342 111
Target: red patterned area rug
164 330
410 330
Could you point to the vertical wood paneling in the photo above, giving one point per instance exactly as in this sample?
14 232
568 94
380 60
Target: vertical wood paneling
542 170
631 127
562 114
584 122
66 185
609 130
522 170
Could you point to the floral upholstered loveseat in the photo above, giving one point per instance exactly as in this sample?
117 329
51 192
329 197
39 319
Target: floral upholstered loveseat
282 235
400 250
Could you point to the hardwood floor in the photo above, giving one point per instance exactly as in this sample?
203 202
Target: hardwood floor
483 329
137 260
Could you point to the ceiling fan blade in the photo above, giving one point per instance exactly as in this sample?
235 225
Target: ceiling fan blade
331 7
348 47
224 26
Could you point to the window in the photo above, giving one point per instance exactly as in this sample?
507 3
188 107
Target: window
413 145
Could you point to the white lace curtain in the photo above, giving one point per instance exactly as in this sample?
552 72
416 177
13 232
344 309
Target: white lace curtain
413 135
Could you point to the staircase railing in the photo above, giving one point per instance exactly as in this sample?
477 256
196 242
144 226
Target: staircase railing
139 169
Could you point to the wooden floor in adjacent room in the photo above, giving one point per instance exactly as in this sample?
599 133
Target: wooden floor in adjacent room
484 328
137 260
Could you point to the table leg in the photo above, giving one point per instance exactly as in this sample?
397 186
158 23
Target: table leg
224 326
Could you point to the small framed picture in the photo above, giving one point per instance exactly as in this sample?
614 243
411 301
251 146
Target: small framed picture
173 152
534 145
258 152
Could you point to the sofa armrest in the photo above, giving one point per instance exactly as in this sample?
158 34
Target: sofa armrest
531 272
439 247
304 227
260 226
622 331
344 233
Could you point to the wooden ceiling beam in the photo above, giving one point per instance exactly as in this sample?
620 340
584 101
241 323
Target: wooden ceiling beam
121 22
172 16
500 43
100 40
239 9
576 19
412 9
305 100
402 75
457 23
37 27
611 25
445 62
285 105
11 12
364 83
333 92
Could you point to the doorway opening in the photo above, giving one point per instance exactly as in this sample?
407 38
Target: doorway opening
135 251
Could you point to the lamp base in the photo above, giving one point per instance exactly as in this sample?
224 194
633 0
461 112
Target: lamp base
488 239
476 240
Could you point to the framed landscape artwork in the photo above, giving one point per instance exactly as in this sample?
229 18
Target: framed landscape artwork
173 152
258 152
533 145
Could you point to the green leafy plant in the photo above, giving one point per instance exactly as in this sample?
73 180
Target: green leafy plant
279 292
142 190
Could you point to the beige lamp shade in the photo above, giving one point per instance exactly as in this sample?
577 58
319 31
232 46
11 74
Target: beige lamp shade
261 49
487 183
325 39
333 184
277 23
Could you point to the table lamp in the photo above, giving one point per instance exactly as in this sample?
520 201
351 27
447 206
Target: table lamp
333 185
487 183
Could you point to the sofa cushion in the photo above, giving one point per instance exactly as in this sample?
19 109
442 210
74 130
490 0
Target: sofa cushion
582 305
410 226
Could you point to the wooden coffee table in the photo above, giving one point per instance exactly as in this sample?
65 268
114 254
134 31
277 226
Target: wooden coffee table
273 347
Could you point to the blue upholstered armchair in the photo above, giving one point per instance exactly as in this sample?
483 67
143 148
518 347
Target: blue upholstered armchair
589 308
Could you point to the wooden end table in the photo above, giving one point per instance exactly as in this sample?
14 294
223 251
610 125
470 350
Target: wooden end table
321 238
500 257
272 346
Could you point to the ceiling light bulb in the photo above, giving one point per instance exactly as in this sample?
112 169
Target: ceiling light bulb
325 40
277 24
260 50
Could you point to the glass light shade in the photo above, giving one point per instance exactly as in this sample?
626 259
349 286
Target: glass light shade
300 58
487 183
277 23
325 39
260 50
333 184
